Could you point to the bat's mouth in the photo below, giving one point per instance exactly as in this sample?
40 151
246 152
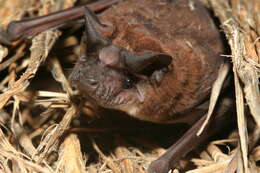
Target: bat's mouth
117 100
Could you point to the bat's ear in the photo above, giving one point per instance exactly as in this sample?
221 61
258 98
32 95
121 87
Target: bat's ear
114 57
92 37
111 55
138 63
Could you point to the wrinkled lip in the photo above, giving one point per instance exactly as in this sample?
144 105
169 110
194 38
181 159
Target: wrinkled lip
140 94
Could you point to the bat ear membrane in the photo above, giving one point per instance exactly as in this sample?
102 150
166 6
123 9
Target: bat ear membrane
148 61
92 37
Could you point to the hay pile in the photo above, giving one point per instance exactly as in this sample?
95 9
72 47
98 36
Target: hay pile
39 134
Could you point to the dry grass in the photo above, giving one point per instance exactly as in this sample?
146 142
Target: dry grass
39 134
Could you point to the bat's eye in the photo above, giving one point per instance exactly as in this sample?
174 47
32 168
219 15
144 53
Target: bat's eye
129 80
127 83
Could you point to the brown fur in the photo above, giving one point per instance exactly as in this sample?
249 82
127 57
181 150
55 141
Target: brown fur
181 28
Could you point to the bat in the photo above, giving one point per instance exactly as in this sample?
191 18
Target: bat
155 60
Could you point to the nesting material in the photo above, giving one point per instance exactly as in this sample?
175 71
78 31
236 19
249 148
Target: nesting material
42 132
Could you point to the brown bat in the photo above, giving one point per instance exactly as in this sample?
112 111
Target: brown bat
156 60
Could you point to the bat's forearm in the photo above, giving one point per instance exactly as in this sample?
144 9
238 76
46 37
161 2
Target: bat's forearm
25 28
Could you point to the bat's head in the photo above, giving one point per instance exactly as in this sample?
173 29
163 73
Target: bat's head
111 76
